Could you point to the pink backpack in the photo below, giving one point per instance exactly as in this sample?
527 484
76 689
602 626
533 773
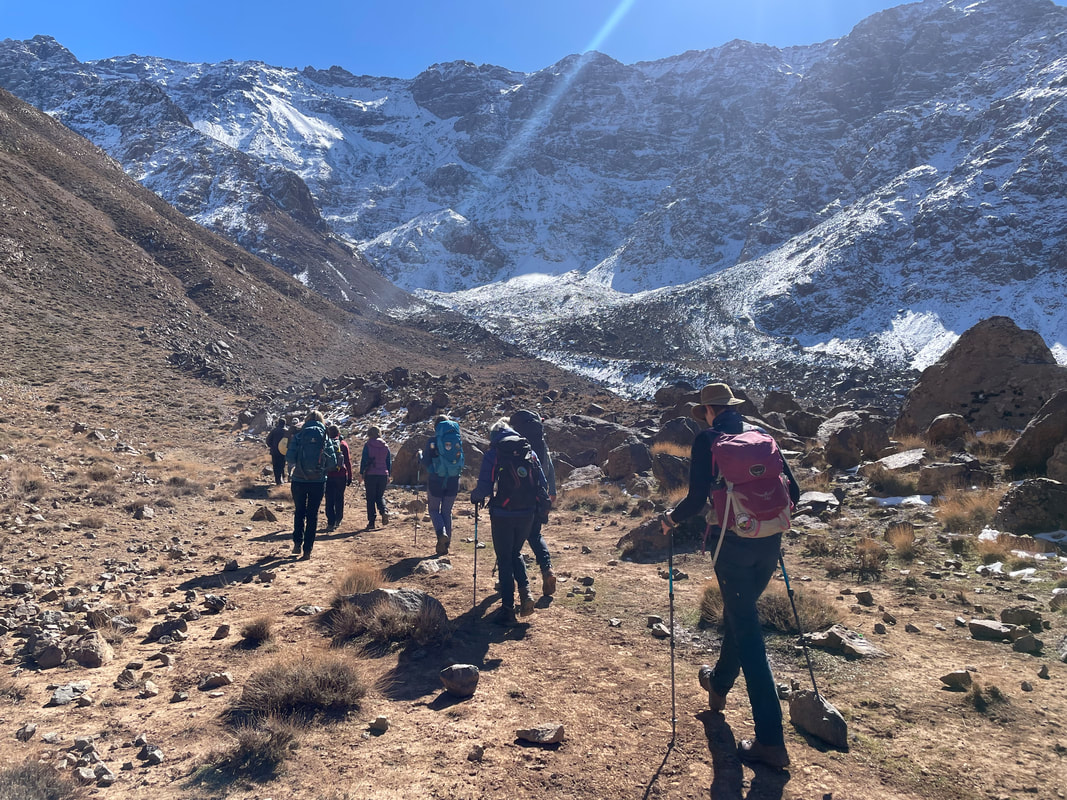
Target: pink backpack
755 502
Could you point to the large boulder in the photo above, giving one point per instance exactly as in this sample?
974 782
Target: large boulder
851 436
671 471
1057 464
1039 439
1038 505
585 440
627 459
995 376
679 431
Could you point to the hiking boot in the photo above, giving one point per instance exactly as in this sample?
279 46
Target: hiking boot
296 549
370 526
526 603
751 751
385 518
506 616
716 701
442 544
548 582
306 556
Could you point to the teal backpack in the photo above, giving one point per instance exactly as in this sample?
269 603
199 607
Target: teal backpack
449 460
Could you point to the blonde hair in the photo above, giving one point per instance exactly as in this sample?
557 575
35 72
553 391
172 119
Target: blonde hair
500 425
314 416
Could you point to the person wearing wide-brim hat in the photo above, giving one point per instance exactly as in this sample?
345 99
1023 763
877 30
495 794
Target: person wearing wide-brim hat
743 568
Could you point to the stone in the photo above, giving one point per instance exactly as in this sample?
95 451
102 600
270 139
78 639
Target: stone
1044 432
1027 644
958 680
411 603
264 514
460 680
948 430
26 732
850 436
551 733
661 631
989 630
221 632
842 640
63 695
379 724
813 713
995 376
215 680
1037 505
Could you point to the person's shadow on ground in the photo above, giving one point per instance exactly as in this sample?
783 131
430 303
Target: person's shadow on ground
416 673
728 773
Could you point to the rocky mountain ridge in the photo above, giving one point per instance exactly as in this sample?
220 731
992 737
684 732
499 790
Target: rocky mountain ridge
854 203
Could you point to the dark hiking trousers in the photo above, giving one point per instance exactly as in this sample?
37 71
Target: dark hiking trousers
277 460
539 545
335 498
375 486
307 497
509 535
744 568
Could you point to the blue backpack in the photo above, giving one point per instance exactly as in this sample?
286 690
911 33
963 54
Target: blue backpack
449 460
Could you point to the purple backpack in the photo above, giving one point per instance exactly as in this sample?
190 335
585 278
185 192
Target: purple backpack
755 501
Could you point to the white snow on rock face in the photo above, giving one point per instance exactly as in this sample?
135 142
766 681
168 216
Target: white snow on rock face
860 201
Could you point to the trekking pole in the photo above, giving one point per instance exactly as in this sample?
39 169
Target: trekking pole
474 599
670 595
800 630
418 478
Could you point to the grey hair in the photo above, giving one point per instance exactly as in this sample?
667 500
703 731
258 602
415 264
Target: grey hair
500 425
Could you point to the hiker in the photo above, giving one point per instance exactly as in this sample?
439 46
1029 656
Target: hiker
512 481
743 568
277 454
310 454
375 464
529 425
443 458
337 480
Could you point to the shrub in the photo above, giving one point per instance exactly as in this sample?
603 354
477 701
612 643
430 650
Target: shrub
301 690
992 550
99 473
259 749
359 579
901 537
94 521
774 609
815 481
36 781
967 511
983 698
258 631
596 497
11 691
180 486
870 556
817 545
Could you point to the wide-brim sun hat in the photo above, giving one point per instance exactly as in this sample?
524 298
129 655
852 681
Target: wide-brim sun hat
714 394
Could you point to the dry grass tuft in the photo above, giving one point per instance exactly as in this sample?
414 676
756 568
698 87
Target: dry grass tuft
259 749
775 610
815 481
966 510
258 631
901 537
991 444
359 579
35 781
11 691
892 483
871 556
671 449
93 521
817 545
992 550
984 698
595 497
302 689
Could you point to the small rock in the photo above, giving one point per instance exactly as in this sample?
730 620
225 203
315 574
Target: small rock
1026 686
222 631
476 754
379 725
26 732
543 734
957 680
660 631
460 680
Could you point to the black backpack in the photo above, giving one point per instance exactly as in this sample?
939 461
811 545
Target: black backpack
528 425
516 487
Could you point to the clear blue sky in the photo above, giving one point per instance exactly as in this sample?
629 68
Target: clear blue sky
400 38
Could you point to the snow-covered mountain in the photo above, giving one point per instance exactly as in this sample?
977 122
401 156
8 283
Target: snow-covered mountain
859 201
